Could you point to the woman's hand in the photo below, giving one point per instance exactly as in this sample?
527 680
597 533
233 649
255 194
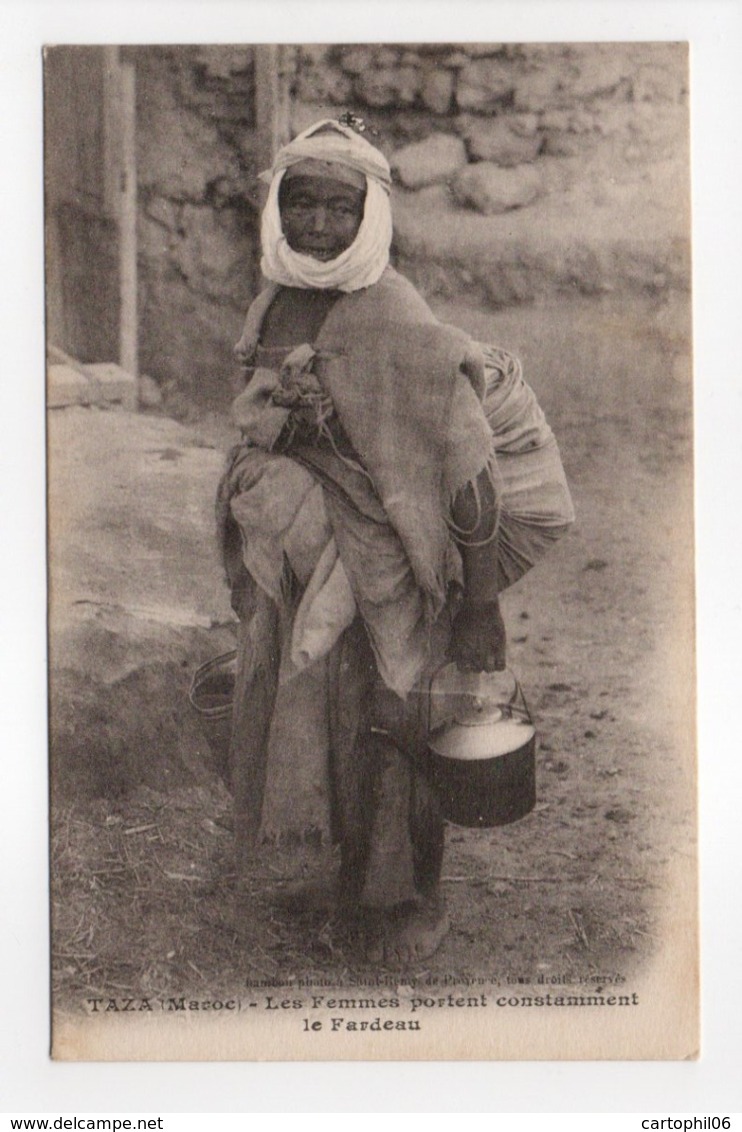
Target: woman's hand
478 638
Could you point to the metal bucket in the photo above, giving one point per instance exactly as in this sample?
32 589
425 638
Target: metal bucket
211 695
483 762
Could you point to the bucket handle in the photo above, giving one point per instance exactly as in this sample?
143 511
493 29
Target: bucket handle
204 670
518 694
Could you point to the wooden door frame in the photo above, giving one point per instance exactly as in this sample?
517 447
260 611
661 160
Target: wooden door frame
120 186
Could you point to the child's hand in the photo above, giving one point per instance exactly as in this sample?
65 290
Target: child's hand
243 350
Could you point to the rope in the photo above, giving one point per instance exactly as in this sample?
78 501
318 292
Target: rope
320 406
462 534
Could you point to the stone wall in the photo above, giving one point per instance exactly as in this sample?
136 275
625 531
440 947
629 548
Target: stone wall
521 171
509 103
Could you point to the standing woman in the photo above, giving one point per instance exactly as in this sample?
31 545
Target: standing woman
394 476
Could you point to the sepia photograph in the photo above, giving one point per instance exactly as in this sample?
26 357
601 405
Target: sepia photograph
372 717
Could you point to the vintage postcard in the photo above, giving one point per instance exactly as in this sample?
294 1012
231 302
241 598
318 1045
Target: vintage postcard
370 480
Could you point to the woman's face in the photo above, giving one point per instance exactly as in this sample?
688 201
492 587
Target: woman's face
320 217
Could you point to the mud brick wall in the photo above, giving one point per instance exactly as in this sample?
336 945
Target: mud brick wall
197 219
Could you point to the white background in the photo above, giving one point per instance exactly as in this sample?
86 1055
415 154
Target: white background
29 1082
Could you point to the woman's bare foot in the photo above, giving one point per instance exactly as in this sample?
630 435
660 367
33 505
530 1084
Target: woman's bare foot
407 934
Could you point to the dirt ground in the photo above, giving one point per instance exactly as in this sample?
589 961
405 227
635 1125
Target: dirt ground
146 901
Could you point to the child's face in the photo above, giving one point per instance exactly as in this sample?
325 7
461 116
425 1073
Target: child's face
320 217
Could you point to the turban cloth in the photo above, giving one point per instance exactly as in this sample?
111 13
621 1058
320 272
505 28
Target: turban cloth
363 263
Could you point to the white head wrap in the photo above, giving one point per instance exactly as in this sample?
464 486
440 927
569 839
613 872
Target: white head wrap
363 262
